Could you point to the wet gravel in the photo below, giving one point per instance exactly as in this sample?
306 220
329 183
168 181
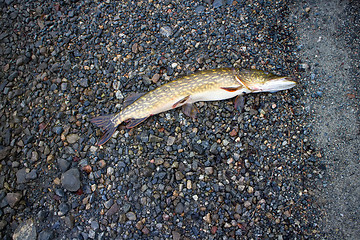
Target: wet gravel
225 175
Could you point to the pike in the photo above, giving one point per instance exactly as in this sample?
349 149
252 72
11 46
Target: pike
208 85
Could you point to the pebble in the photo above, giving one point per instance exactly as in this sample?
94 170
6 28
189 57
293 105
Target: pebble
209 170
13 198
25 231
179 175
63 164
170 140
131 216
179 208
21 176
70 180
166 31
72 138
63 209
46 235
112 210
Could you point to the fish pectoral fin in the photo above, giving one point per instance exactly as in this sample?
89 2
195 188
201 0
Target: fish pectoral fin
231 89
135 121
181 101
190 110
132 98
107 124
239 103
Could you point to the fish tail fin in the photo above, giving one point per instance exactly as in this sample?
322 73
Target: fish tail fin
107 124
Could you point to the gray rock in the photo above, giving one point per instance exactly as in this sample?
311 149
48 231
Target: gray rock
4 152
179 208
13 198
21 176
84 82
70 180
179 175
31 175
166 31
63 209
209 170
25 231
94 225
45 235
113 209
34 156
217 3
72 138
63 164
131 216
199 9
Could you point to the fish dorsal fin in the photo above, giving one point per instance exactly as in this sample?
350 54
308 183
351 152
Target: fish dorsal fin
132 98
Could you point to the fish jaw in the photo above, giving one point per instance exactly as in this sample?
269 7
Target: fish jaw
272 85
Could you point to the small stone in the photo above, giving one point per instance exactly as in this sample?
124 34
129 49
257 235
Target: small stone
4 152
110 171
112 210
213 148
131 216
176 235
166 31
170 140
145 230
63 164
71 180
45 235
25 231
154 139
155 78
69 221
209 170
31 175
63 209
199 9
94 225
64 86
21 176
108 203
250 189
217 3
207 218
13 198
179 208
72 138
135 48
247 204
84 82
179 175
34 156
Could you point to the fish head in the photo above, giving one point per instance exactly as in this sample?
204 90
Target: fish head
260 81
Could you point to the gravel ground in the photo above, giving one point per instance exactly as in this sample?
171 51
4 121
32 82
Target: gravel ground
330 50
225 175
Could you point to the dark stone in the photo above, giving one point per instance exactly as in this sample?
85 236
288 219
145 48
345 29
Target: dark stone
25 231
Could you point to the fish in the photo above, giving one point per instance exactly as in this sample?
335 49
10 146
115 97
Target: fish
208 85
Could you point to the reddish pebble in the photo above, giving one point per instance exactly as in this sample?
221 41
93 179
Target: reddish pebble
213 229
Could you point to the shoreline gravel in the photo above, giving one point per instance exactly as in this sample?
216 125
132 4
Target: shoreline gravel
226 175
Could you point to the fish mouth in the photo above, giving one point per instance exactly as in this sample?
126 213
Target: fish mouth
274 85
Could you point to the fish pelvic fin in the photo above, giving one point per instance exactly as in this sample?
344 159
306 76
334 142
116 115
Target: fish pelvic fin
107 124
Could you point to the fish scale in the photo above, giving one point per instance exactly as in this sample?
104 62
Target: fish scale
208 85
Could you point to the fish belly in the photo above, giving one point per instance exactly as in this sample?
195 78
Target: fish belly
214 95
